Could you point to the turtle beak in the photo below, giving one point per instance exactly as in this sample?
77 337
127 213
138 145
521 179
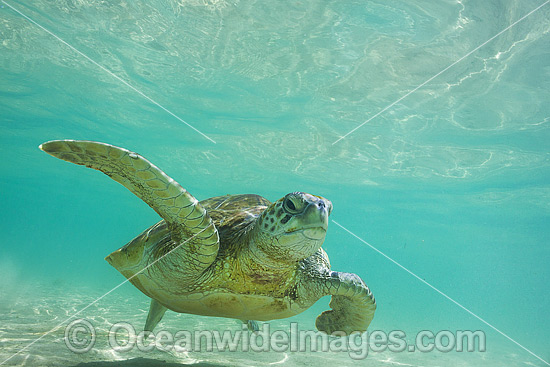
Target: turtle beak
328 206
316 214
322 202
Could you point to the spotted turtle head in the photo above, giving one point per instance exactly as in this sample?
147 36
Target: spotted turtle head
294 227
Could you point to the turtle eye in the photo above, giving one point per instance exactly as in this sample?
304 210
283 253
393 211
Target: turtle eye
291 205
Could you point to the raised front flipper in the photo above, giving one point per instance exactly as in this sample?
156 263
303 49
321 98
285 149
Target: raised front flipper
352 304
192 229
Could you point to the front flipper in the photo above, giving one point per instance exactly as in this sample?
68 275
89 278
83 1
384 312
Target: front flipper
156 312
191 227
352 304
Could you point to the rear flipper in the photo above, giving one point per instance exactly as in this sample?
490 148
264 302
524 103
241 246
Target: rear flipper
156 312
252 325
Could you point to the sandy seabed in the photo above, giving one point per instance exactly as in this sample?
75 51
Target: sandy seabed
28 315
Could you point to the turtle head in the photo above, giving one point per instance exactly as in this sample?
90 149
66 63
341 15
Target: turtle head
293 227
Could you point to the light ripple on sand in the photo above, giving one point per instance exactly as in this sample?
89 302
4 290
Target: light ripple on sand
23 324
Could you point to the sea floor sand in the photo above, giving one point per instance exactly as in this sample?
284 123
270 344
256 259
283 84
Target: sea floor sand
27 319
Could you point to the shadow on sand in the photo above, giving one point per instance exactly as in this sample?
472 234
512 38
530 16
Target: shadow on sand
143 362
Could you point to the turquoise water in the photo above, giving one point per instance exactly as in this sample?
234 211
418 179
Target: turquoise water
452 182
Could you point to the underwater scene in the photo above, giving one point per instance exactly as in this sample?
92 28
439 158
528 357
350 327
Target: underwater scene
411 139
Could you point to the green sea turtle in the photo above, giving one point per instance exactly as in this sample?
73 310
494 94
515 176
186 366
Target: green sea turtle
235 256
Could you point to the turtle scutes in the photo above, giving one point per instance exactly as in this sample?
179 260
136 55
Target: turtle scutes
236 256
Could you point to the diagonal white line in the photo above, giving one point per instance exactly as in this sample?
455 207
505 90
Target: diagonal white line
109 72
441 72
440 292
96 300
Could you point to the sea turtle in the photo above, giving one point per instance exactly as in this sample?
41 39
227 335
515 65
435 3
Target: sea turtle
235 256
